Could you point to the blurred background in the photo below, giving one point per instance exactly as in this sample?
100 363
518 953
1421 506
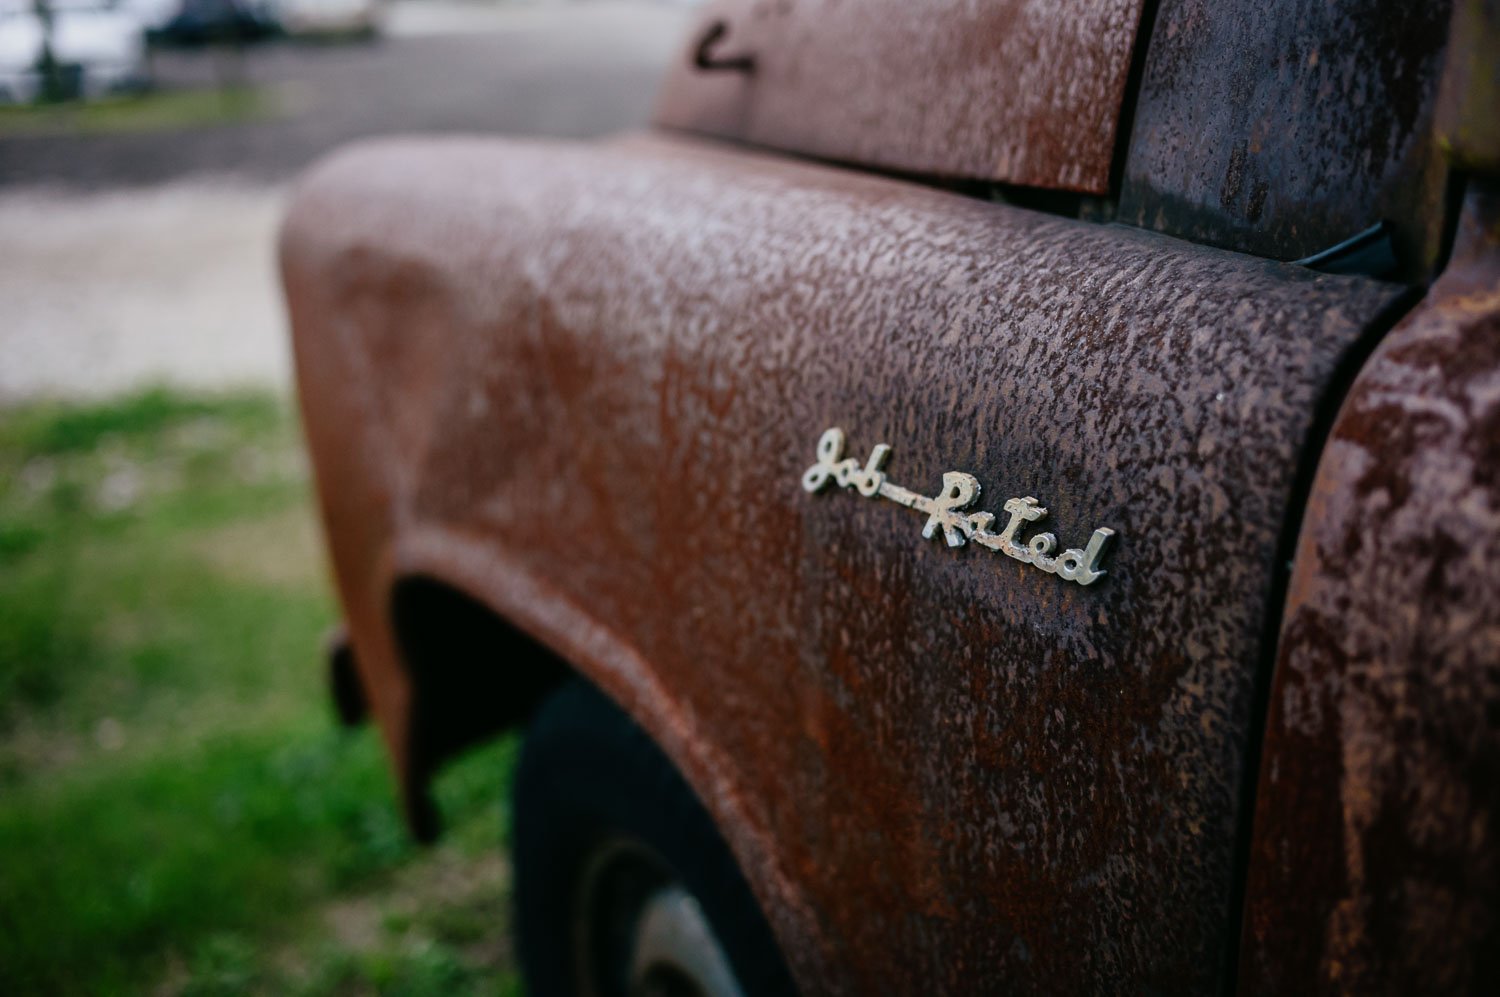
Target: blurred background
179 812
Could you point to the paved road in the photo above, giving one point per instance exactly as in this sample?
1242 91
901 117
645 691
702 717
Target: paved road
575 69
139 259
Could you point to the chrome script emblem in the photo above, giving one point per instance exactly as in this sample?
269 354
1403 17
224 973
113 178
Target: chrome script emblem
945 511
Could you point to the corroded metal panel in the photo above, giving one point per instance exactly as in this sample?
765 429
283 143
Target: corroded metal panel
1375 866
583 385
1283 128
1017 91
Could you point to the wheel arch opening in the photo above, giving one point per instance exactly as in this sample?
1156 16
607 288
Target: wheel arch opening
473 675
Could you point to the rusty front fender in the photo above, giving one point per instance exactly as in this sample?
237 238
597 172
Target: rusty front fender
581 385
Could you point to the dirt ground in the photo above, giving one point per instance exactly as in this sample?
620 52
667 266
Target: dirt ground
106 291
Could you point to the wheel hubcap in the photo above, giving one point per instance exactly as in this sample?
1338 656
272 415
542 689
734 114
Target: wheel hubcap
640 933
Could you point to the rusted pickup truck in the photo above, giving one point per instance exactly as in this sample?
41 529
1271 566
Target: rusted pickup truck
982 496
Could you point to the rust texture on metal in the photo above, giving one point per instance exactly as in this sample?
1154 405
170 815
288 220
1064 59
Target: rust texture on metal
1375 863
1282 128
1016 91
579 384
1469 104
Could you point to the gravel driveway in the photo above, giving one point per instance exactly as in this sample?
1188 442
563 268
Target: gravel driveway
142 258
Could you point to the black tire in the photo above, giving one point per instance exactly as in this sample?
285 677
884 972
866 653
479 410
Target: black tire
590 778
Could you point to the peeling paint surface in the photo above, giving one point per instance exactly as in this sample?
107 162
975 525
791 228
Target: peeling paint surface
1024 92
1375 866
580 384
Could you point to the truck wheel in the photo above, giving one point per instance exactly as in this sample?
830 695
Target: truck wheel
624 887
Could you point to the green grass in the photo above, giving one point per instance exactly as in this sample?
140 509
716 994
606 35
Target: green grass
179 813
152 111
